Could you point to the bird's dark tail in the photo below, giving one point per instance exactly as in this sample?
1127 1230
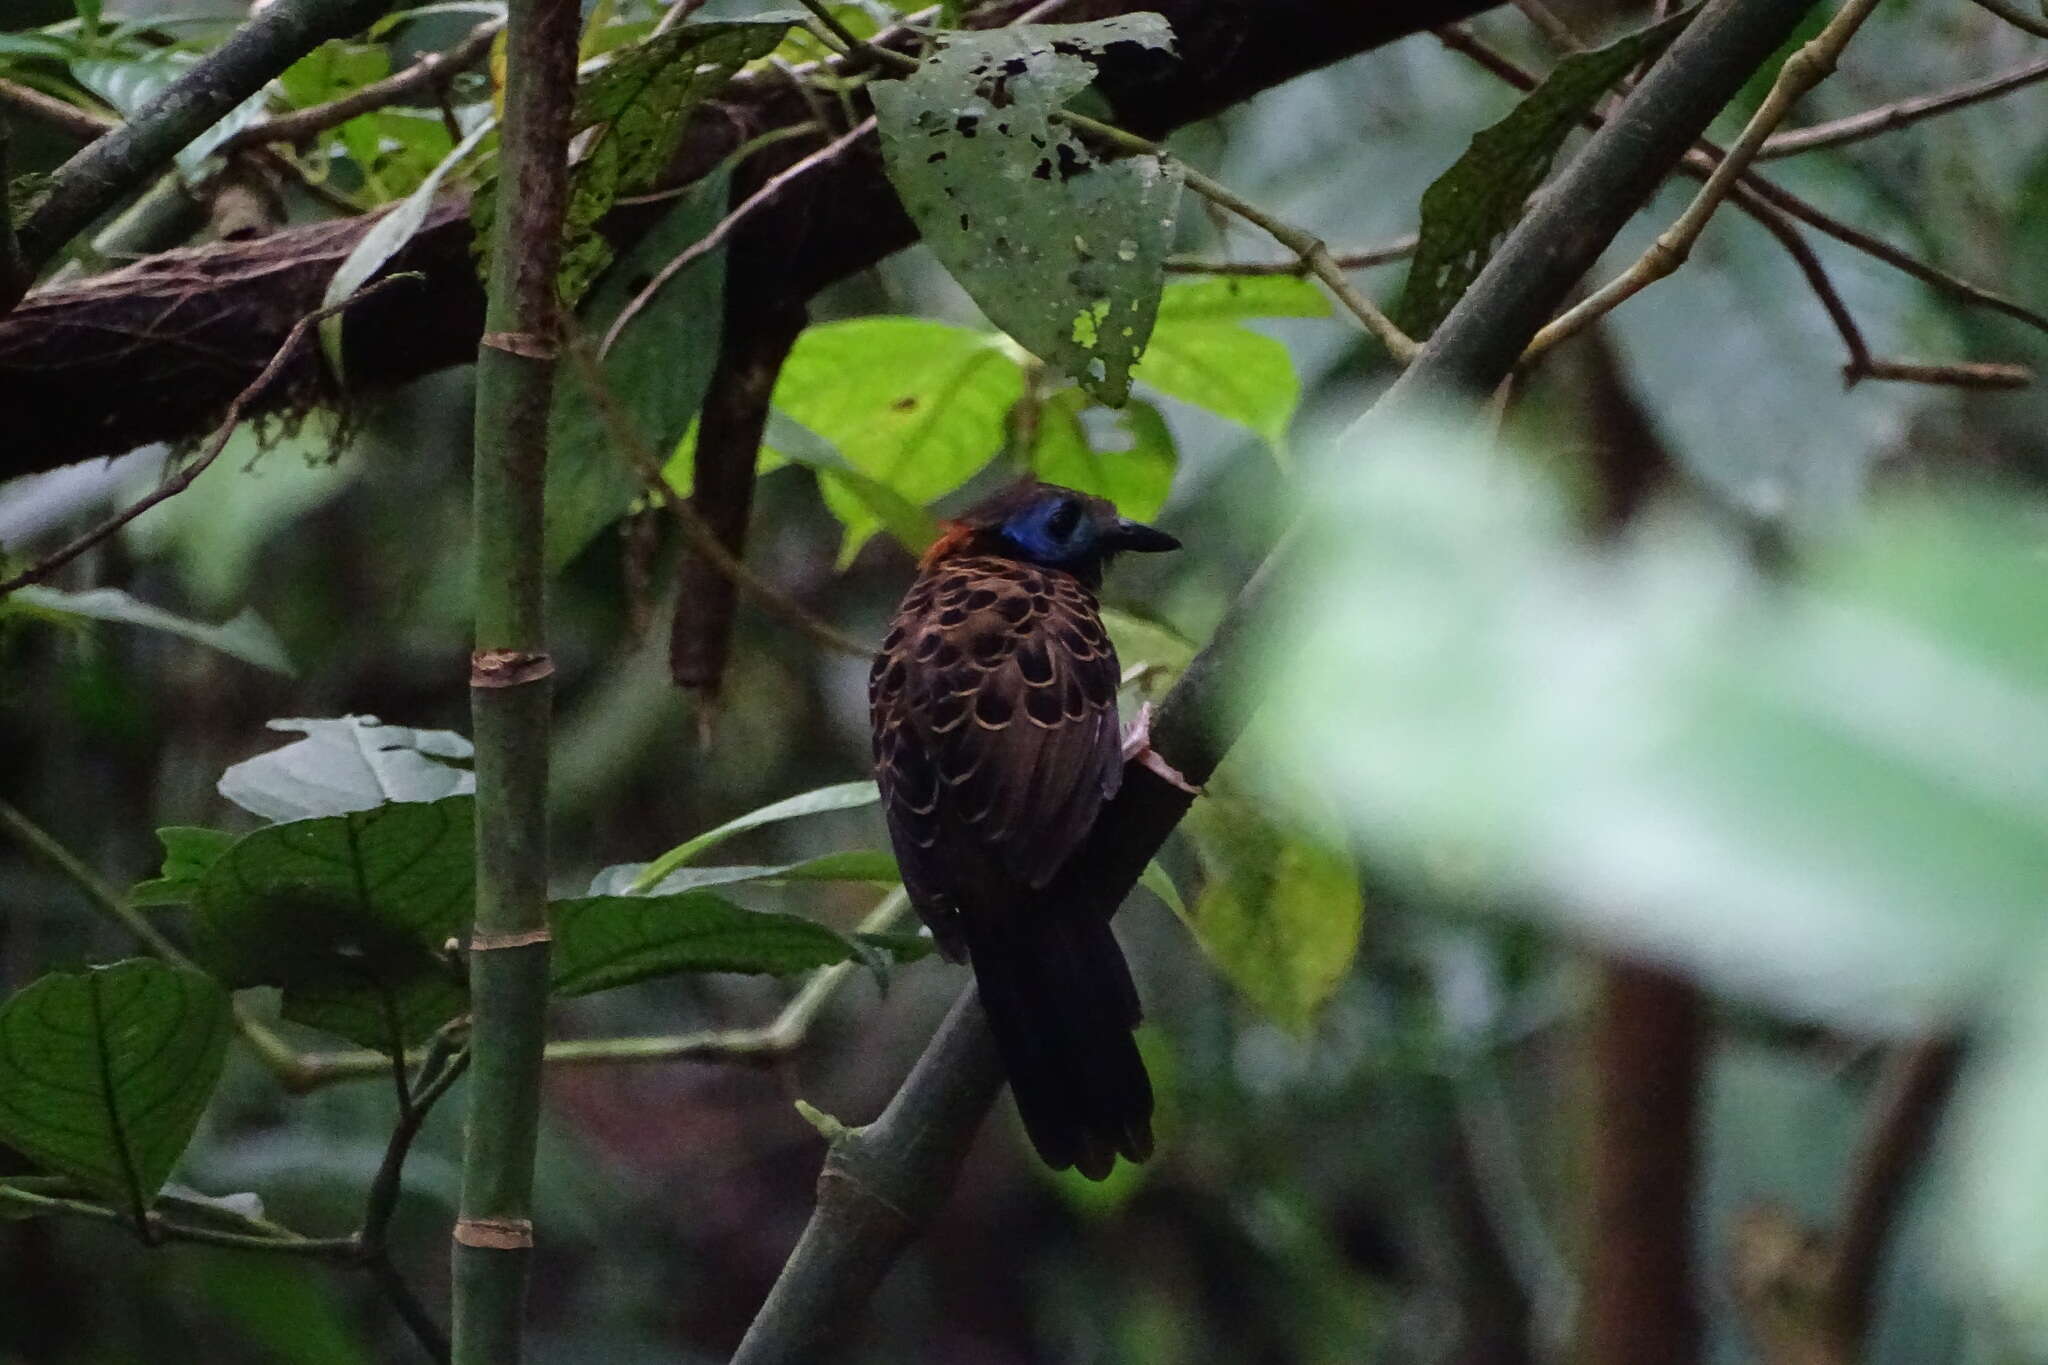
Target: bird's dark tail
1060 1001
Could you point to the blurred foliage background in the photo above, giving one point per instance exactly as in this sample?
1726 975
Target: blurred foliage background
1375 1094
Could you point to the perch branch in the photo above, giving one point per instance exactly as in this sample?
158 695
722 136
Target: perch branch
858 1227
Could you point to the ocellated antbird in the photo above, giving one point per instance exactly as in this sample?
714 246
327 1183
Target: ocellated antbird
996 744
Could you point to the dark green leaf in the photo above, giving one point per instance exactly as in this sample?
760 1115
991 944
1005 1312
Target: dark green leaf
1473 204
639 104
606 941
1063 250
245 637
658 372
348 914
1132 465
188 852
103 1075
348 763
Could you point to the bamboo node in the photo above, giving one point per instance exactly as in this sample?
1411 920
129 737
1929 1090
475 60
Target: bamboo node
508 667
524 938
532 345
495 1234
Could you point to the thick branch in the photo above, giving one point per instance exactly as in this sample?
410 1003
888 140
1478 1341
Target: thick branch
848 1245
155 352
116 165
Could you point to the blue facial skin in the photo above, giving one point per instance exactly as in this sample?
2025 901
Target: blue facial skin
1057 533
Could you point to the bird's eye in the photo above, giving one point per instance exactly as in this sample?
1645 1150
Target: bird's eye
1064 519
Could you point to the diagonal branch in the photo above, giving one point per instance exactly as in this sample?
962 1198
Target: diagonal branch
1887 117
860 1224
430 72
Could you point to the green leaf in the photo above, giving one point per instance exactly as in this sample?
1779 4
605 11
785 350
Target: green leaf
1062 250
188 852
1231 371
348 763
639 104
658 370
103 1075
863 865
1140 641
1159 882
384 240
244 637
908 523
1134 466
348 914
1472 205
843 796
1234 298
1279 914
607 941
332 70
916 406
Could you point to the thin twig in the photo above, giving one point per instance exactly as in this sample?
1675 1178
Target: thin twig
51 112
444 1064
711 240
1400 249
763 1045
430 72
677 12
1802 71
275 1053
191 470
162 1229
702 538
1887 117
1770 206
2017 17
1313 253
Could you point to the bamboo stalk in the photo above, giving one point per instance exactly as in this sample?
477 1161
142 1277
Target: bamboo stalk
510 689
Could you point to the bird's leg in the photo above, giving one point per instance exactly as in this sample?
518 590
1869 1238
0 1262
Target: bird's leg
1138 745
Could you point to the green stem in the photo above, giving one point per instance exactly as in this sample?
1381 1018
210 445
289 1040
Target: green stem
162 1230
510 688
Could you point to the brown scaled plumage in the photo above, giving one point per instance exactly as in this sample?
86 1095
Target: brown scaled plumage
996 744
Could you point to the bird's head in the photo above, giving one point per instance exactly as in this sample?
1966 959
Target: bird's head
1051 526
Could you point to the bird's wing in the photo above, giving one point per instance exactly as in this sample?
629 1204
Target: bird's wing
996 734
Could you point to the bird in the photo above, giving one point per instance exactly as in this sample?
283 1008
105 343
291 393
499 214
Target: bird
996 744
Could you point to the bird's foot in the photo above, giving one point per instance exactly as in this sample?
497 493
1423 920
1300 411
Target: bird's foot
1138 745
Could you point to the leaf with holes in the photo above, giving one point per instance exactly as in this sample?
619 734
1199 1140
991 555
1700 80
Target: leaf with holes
635 109
657 372
915 406
1063 249
1472 205
103 1075
348 915
348 763
607 941
1127 456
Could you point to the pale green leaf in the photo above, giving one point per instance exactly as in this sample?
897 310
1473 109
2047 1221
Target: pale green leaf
103 1075
245 636
1129 458
916 406
1231 371
861 865
1063 250
1235 298
347 763
843 796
